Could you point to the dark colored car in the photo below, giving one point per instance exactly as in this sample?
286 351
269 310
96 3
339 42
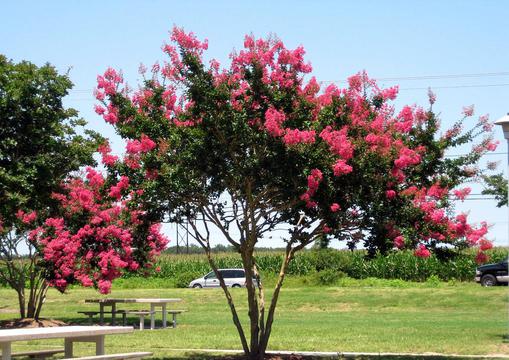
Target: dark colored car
492 274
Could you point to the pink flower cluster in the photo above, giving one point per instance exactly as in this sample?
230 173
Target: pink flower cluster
96 253
314 180
107 158
461 194
26 218
145 144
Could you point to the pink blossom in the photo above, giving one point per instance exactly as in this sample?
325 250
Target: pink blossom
468 110
116 190
104 286
437 216
296 136
107 159
485 245
335 207
399 242
341 168
481 258
407 157
99 110
146 143
390 194
338 142
432 98
273 121
422 251
461 194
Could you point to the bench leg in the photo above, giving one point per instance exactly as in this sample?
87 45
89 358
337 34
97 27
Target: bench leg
90 319
164 315
99 345
101 314
68 348
152 317
142 322
6 351
174 320
124 319
113 314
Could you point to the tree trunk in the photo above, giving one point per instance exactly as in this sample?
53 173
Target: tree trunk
20 290
31 307
37 298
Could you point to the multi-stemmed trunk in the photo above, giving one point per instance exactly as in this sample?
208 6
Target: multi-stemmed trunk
260 317
23 275
30 307
260 313
253 216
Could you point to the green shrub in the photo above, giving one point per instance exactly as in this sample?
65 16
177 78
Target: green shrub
328 276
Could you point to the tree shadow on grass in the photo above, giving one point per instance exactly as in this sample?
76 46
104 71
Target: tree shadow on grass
202 356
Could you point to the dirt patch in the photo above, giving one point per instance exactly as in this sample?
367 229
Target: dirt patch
30 323
8 311
267 357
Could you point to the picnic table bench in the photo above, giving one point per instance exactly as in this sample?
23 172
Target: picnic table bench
154 302
70 334
38 354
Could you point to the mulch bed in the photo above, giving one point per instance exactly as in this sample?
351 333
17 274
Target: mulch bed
30 323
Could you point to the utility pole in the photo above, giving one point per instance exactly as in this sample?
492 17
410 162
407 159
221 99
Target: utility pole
182 237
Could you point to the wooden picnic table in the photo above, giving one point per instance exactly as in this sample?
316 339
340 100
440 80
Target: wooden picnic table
154 302
70 334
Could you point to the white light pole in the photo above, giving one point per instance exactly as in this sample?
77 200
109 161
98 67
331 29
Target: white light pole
504 122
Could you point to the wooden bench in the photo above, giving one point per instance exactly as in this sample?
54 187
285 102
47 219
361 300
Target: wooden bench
38 354
134 355
91 314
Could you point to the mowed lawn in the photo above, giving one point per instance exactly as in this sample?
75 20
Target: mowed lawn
462 318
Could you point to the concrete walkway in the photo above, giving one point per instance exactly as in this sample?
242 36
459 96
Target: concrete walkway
352 355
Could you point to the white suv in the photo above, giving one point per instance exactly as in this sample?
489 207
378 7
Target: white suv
232 278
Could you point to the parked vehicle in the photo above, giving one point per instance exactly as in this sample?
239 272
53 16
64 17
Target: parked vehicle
232 278
492 274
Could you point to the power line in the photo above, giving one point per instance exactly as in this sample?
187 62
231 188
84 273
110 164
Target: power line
402 78
431 77
401 89
488 153
455 87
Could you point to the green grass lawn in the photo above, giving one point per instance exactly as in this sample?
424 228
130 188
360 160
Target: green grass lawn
360 316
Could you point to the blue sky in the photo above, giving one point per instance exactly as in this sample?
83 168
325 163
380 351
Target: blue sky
388 39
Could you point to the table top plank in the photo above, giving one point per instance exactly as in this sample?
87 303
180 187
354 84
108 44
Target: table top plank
128 300
8 335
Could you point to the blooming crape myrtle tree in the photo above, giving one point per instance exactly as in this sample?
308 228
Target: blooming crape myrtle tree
253 147
41 143
435 169
101 232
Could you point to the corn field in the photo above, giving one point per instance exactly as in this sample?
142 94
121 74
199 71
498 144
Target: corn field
398 265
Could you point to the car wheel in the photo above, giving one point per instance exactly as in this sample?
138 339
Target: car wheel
235 286
488 280
197 286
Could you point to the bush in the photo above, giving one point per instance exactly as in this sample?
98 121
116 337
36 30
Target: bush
328 276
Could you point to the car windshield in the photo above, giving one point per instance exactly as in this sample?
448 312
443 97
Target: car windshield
210 275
